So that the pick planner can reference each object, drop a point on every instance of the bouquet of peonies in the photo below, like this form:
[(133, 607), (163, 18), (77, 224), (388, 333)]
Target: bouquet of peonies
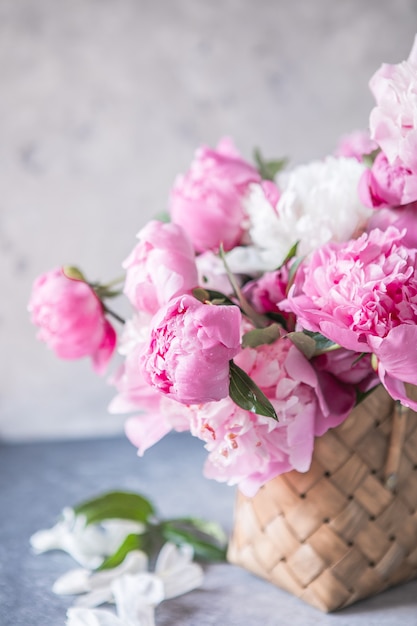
[(269, 304)]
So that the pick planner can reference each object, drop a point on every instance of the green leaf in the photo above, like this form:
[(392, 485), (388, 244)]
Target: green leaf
[(268, 169), (311, 343), (116, 505), (210, 295), (163, 217), (292, 272), (322, 343), (132, 542), (368, 159), (361, 356), (246, 394), (303, 342), (292, 252), (104, 292), (74, 273), (362, 395), (260, 336), (206, 538)]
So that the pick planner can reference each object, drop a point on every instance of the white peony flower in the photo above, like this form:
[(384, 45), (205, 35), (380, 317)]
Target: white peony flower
[(318, 203)]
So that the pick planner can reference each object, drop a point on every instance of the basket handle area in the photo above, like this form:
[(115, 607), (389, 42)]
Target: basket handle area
[(399, 428)]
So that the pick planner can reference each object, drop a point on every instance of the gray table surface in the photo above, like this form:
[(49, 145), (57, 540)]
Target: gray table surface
[(37, 480)]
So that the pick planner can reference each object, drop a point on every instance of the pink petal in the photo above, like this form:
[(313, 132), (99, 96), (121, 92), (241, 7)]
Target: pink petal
[(105, 350), (392, 353)]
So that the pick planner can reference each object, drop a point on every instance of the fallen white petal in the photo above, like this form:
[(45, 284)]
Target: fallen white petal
[(133, 563), (170, 556), (88, 544), (177, 571), (94, 598), (95, 617), (189, 578), (136, 596), (73, 582)]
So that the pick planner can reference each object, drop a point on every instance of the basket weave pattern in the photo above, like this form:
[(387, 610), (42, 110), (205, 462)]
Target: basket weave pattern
[(347, 528)]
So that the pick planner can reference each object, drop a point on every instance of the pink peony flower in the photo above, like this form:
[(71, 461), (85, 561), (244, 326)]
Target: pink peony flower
[(393, 122), (187, 355), (363, 295), (355, 145), (266, 292), (71, 319), (348, 368), (249, 449), (160, 267), (404, 218), (387, 185), (208, 200)]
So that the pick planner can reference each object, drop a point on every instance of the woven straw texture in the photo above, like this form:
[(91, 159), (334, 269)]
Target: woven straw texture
[(347, 528)]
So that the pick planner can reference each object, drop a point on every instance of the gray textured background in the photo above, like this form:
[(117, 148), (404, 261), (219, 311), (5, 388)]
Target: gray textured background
[(104, 101)]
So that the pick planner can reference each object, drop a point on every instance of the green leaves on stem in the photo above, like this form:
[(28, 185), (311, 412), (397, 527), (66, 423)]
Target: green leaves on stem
[(207, 538)]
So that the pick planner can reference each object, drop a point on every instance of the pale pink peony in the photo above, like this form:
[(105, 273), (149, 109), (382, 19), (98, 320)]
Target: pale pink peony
[(71, 319), (249, 449), (160, 267), (188, 352), (355, 145), (404, 218), (393, 122), (386, 185), (363, 295), (208, 200)]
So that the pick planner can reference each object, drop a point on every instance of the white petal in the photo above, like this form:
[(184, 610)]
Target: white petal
[(87, 617), (73, 582), (88, 544), (170, 557), (136, 596), (177, 571), (134, 562), (177, 583), (45, 540), (103, 595)]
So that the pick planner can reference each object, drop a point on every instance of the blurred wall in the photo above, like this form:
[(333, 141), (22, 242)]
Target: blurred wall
[(103, 102)]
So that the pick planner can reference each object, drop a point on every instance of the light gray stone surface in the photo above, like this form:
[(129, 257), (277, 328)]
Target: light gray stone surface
[(38, 480), (104, 101)]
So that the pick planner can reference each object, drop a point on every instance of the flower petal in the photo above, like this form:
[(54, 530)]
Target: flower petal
[(177, 571), (88, 617), (73, 582), (398, 361)]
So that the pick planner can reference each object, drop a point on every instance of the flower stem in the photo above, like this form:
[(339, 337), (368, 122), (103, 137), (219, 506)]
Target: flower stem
[(113, 314)]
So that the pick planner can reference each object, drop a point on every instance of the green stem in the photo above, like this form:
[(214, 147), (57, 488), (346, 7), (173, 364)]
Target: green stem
[(260, 321), (113, 314), (115, 281)]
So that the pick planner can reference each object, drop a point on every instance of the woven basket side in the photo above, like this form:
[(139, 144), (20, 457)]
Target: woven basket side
[(347, 528)]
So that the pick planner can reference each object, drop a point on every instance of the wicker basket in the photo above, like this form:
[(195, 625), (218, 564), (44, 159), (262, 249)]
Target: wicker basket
[(347, 528)]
